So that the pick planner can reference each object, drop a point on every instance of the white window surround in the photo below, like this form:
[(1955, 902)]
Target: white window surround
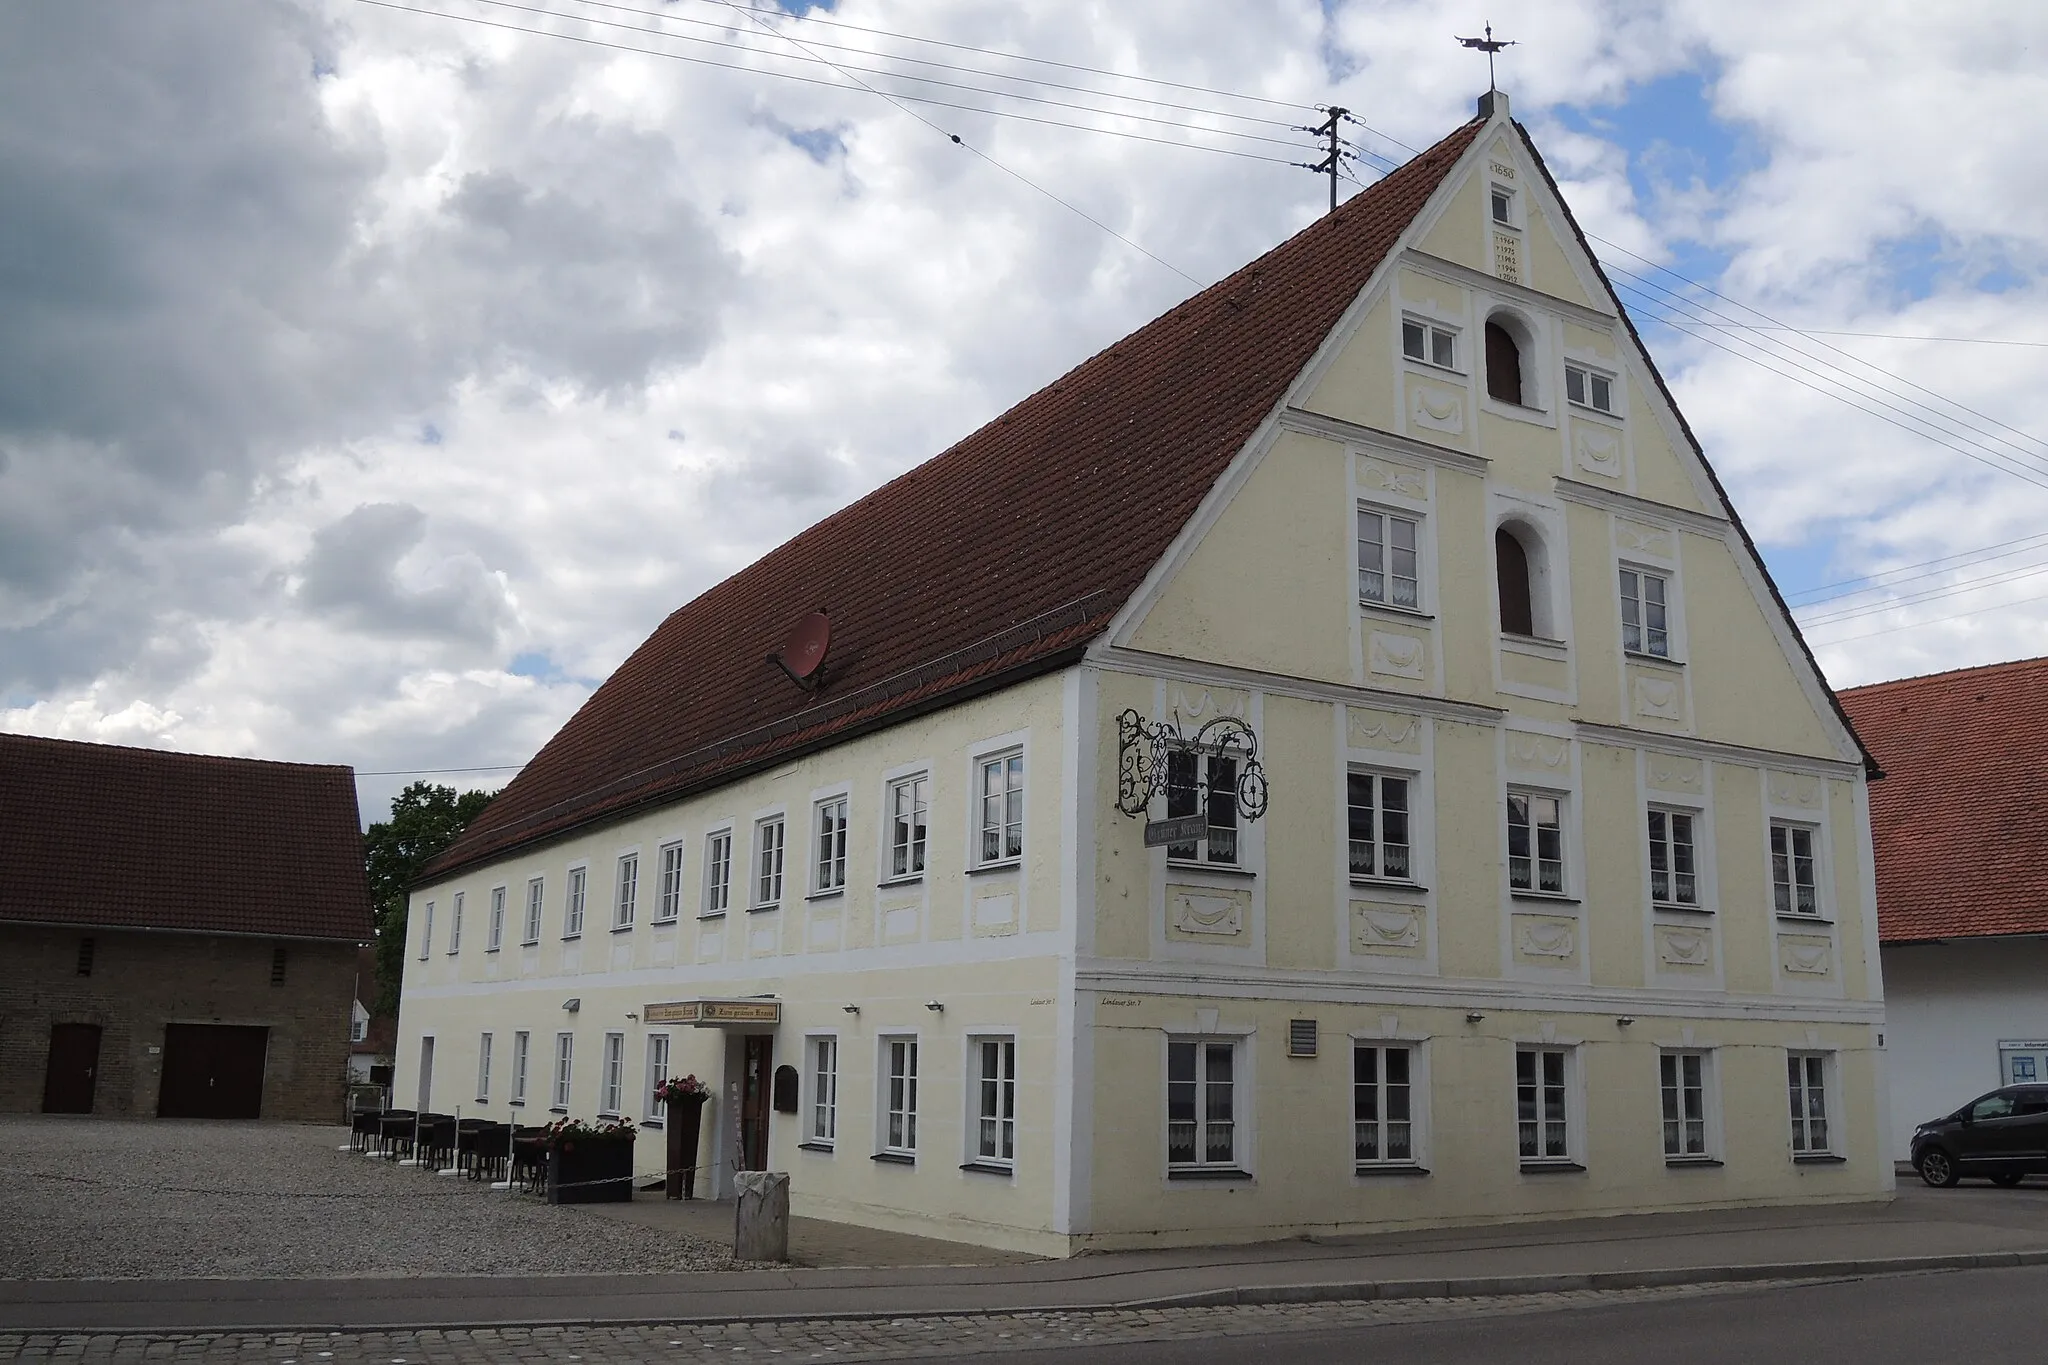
[(906, 825), (1503, 206), (536, 904), (998, 822), (1206, 1133), (770, 858), (1541, 541), (1391, 553), (1543, 838), (522, 1054), (1427, 341), (990, 1129), (1382, 835), (896, 1096), (611, 1094), (1676, 837), (1590, 388), (668, 905), (1648, 595), (718, 844), (1688, 1105), (1549, 1106), (625, 889), (427, 932), (1811, 1089), (820, 1092), (656, 1073), (830, 819), (1389, 1105), (573, 899), (565, 1063), (1795, 858), (483, 1069), (455, 925), (1530, 336), (1191, 776)]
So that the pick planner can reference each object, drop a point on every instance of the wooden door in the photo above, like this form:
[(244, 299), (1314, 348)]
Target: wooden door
[(73, 1068), (754, 1102), (212, 1071)]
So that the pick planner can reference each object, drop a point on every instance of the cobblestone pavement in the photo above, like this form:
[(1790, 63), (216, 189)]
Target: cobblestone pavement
[(162, 1199), (879, 1339)]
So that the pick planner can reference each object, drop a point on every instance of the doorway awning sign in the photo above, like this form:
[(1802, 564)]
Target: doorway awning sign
[(713, 1013)]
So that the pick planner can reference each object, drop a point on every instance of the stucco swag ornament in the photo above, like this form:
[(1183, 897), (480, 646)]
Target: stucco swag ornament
[(1142, 747)]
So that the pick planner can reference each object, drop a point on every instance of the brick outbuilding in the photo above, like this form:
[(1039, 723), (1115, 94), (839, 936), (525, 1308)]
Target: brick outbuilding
[(178, 932)]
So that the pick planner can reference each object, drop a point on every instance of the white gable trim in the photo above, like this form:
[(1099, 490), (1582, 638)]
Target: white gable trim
[(1310, 423)]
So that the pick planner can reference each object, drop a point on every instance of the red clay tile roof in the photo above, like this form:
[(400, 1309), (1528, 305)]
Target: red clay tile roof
[(119, 838), (1000, 559), (1961, 819)]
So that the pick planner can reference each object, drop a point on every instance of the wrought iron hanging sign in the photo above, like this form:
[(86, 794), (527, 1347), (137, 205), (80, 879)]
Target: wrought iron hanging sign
[(1141, 760)]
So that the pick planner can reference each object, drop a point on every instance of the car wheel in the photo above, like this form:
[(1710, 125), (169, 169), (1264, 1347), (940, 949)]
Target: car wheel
[(2008, 1179), (1938, 1168)]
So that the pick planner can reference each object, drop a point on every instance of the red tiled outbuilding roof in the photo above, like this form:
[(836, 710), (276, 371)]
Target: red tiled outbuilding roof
[(995, 561), (1960, 821), (111, 837)]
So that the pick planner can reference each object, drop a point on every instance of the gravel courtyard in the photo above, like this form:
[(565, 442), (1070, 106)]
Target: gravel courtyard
[(163, 1199)]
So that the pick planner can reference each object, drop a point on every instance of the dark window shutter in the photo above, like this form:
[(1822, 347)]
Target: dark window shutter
[(1503, 366), (1511, 563)]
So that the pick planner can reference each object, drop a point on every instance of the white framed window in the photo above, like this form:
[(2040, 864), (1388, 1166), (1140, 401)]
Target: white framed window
[(1000, 817), (1682, 1080), (1377, 826), (657, 1072), (995, 1100), (821, 1123), (494, 934), (455, 926), (612, 1086), (1806, 1078), (1589, 388), (770, 838), (629, 891), (1201, 1105), (1383, 1109), (536, 896), (1389, 560), (717, 873), (828, 861), (483, 1069), (1645, 612), (1429, 343), (358, 1027), (909, 809), (671, 903), (1674, 858), (1501, 206), (899, 1096), (572, 910), (565, 1059), (427, 932), (522, 1045), (1536, 843), (1795, 877), (1202, 782), (1543, 1103)]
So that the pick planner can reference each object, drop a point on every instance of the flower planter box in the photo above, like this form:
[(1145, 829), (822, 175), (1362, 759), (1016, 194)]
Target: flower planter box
[(587, 1170)]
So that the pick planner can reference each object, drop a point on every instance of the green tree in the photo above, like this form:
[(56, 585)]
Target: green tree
[(424, 820)]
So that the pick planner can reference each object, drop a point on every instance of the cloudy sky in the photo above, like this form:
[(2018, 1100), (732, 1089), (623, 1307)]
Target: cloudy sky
[(371, 381)]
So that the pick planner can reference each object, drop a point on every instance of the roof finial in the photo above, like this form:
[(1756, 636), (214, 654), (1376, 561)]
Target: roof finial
[(1489, 45)]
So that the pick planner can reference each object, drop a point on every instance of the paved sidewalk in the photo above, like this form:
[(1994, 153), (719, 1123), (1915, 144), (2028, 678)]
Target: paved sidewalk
[(1971, 1225), (813, 1242)]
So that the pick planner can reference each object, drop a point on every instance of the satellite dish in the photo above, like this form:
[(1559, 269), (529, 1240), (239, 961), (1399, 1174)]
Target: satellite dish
[(803, 653)]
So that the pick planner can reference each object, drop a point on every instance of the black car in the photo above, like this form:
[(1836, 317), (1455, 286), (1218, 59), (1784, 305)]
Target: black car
[(2003, 1135)]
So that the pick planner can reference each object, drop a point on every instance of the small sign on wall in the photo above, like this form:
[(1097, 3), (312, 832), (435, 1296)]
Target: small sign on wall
[(1180, 829)]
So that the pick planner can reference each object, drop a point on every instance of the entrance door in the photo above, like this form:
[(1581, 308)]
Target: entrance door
[(754, 1102), (212, 1071), (426, 1076), (74, 1063)]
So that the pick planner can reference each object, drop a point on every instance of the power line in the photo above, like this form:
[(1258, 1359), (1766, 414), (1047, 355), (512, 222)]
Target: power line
[(1980, 555), (1880, 336), (1930, 595), (830, 85), (845, 67), (1931, 621)]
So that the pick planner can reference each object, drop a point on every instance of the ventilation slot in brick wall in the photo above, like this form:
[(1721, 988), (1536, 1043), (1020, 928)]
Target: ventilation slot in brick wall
[(85, 957), (277, 959)]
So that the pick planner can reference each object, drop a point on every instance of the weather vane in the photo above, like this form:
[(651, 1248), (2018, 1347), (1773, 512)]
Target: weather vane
[(1489, 45)]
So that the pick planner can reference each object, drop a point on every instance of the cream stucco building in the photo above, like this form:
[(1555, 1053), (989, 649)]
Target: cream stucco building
[(1524, 867)]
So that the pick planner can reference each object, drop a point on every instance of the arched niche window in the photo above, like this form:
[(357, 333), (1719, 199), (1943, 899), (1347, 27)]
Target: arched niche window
[(1510, 347), (1511, 565)]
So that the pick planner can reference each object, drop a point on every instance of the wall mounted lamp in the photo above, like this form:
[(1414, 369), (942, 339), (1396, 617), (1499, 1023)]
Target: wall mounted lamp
[(573, 1003), (851, 1009), (935, 1007), (1625, 1019), (632, 1014), (1473, 1017)]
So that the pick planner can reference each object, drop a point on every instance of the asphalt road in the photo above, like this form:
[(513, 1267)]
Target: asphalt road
[(1984, 1317)]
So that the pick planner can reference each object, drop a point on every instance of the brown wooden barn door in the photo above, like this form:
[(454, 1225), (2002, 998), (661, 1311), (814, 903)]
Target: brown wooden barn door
[(212, 1071), (73, 1068)]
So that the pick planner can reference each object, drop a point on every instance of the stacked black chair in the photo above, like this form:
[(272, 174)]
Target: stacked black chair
[(395, 1133), (437, 1141), (529, 1159), (469, 1151)]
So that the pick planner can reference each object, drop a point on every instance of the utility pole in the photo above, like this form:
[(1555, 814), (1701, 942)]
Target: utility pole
[(1332, 157)]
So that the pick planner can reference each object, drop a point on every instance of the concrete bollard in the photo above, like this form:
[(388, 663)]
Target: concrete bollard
[(761, 1217)]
